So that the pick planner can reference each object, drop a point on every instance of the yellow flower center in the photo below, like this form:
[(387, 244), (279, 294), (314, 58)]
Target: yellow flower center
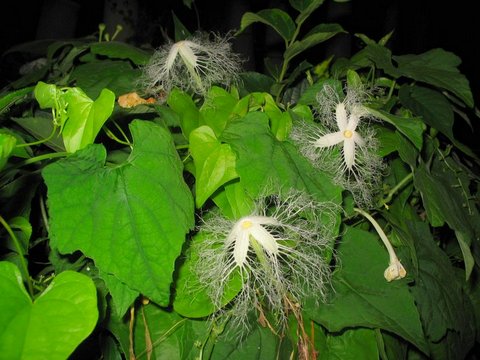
[(246, 224), (348, 134)]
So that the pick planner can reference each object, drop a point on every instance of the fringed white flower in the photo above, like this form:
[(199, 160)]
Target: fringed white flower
[(346, 134), (191, 65), (279, 252), (343, 143)]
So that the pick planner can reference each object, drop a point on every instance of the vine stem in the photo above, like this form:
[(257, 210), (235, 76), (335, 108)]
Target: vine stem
[(39, 141), (396, 188), (285, 64), (42, 157), (20, 253)]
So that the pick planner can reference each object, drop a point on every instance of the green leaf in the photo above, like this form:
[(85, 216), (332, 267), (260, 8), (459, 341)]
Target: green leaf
[(131, 219), (255, 82), (434, 108), (120, 50), (181, 32), (309, 96), (439, 68), (358, 343), (387, 139), (46, 95), (7, 144), (233, 201), (278, 19), (317, 35), (305, 7), (191, 298), (444, 197), (280, 122), (408, 153), (445, 191), (263, 161), (85, 117), (214, 163), (54, 324), (184, 106), (364, 298), (260, 343), (445, 309), (301, 112), (122, 295), (117, 76), (217, 109), (379, 55), (411, 127)]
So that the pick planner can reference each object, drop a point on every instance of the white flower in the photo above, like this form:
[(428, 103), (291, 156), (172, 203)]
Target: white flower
[(343, 144), (279, 257), (347, 124), (191, 65)]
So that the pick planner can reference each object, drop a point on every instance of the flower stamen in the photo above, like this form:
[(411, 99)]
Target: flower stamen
[(348, 134)]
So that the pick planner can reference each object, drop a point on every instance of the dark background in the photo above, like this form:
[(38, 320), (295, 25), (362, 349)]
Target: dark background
[(418, 26)]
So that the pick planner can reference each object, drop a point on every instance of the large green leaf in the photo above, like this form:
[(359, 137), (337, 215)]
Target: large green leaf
[(439, 68), (54, 324), (117, 76), (262, 160), (278, 19), (214, 163), (131, 219), (317, 35), (445, 310), (120, 50), (363, 297)]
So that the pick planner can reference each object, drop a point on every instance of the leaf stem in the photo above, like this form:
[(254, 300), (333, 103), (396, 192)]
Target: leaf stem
[(23, 262)]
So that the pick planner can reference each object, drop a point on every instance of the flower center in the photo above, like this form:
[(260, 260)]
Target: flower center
[(246, 224), (348, 134)]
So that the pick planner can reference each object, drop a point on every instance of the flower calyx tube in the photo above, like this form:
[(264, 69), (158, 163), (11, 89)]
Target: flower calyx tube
[(395, 269)]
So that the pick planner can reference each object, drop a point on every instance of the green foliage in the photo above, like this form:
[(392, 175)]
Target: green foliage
[(104, 205)]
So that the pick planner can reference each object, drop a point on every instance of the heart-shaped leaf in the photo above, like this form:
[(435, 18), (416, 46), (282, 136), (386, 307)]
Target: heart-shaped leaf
[(131, 219), (54, 324)]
